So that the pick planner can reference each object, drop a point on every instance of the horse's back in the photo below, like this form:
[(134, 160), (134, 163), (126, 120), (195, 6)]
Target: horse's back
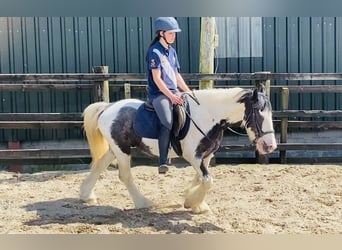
[(120, 112), (116, 107)]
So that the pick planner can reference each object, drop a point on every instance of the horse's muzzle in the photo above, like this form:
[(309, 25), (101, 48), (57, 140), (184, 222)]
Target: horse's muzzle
[(266, 144)]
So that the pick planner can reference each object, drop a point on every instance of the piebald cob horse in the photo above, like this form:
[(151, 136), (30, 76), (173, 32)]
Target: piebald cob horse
[(109, 128)]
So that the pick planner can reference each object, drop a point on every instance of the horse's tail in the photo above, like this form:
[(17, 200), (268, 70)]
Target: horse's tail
[(97, 143)]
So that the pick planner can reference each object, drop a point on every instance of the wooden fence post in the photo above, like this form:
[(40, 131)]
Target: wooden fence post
[(127, 89), (284, 122), (263, 159), (266, 83), (17, 168), (101, 88), (207, 46)]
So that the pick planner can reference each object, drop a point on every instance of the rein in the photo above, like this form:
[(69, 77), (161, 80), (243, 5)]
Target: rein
[(194, 98)]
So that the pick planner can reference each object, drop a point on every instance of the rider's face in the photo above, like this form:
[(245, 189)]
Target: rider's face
[(170, 36)]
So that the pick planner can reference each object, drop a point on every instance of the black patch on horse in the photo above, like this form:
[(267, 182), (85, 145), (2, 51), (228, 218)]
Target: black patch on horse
[(123, 134)]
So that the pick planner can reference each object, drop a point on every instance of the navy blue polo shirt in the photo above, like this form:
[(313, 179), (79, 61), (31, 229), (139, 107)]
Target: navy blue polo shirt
[(167, 61)]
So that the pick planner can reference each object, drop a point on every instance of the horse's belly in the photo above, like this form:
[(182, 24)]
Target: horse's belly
[(153, 147)]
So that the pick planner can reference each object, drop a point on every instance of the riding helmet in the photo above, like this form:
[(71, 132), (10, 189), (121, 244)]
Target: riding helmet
[(166, 24)]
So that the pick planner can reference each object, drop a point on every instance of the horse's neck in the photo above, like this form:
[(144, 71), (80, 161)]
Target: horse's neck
[(221, 104)]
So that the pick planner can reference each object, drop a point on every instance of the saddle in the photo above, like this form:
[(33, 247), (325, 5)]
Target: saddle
[(147, 124), (179, 117)]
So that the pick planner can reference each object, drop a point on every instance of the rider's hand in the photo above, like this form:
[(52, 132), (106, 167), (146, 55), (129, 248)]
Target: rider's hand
[(175, 99)]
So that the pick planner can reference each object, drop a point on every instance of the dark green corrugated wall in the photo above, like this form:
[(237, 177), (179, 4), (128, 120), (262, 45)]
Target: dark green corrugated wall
[(296, 44), (76, 44)]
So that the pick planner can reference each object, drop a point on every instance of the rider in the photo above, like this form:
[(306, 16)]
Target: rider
[(164, 81)]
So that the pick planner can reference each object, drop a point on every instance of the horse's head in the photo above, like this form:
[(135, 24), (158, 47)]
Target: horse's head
[(258, 120)]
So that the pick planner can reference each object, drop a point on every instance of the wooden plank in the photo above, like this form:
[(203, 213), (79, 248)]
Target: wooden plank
[(311, 124), (311, 146), (187, 76), (54, 153), (43, 161), (271, 76), (31, 86), (63, 156), (67, 124), (290, 160), (309, 88), (41, 116), (72, 77), (79, 155), (313, 160), (42, 153), (39, 124), (285, 146), (116, 86), (307, 113)]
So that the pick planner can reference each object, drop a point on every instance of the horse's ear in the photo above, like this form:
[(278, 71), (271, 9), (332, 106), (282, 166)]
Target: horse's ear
[(261, 88), (255, 95)]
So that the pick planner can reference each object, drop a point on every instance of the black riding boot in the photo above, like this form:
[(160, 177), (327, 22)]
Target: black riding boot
[(164, 144)]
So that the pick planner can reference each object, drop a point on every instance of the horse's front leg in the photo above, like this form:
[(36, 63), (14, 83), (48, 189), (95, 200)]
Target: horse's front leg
[(195, 195)]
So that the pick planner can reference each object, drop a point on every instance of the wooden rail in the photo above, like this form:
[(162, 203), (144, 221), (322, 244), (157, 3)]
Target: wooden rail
[(284, 119)]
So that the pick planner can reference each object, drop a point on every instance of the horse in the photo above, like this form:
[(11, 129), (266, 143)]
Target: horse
[(109, 129)]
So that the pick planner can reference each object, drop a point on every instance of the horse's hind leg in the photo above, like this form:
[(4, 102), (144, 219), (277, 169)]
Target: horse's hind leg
[(125, 176), (87, 188)]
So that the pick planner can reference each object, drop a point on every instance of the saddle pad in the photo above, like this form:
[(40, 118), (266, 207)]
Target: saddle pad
[(146, 123)]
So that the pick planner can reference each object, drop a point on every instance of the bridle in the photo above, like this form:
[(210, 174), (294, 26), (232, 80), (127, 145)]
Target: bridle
[(259, 132)]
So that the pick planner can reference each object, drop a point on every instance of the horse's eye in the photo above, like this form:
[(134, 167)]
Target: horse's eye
[(257, 106)]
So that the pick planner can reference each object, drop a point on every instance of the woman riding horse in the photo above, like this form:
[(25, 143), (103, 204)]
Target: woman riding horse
[(164, 82)]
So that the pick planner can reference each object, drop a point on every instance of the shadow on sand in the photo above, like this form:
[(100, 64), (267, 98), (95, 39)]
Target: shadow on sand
[(67, 211)]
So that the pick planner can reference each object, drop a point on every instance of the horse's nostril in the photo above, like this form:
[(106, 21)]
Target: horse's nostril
[(271, 147), (268, 147)]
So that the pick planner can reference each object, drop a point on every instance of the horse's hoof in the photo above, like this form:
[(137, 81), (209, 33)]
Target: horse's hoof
[(201, 209), (187, 206), (145, 204), (91, 202)]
